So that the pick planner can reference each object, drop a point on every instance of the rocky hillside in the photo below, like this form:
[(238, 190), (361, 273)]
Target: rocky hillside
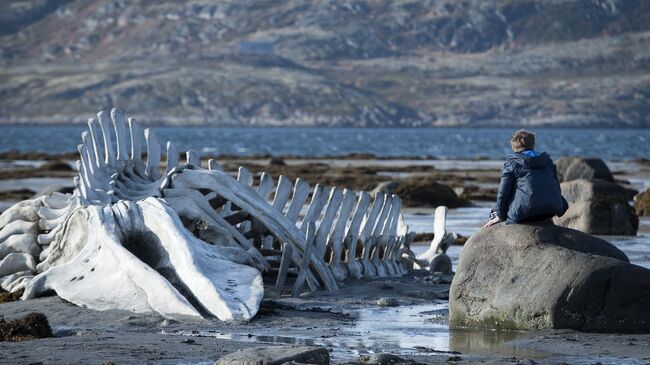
[(328, 63)]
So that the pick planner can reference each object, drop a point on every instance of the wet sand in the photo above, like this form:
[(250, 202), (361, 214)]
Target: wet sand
[(348, 322)]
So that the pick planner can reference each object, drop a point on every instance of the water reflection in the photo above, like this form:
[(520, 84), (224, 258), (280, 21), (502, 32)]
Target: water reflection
[(415, 329), (488, 342)]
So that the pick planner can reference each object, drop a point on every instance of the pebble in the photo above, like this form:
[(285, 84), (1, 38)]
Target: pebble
[(387, 302)]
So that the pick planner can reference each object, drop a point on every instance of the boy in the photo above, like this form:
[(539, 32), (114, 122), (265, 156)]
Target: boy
[(529, 189)]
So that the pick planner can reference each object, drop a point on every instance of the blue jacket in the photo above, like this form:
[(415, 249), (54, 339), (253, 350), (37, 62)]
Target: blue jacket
[(529, 188)]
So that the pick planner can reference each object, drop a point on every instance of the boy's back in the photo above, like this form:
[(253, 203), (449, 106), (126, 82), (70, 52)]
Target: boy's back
[(531, 189)]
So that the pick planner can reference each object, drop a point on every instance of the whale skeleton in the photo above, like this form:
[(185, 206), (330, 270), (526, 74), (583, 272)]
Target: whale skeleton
[(147, 234)]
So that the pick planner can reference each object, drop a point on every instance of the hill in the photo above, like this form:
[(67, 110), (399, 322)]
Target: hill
[(329, 63)]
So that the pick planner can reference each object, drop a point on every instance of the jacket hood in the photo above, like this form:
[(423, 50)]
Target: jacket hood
[(539, 161)]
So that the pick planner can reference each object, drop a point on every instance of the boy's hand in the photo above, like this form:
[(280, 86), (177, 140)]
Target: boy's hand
[(492, 222)]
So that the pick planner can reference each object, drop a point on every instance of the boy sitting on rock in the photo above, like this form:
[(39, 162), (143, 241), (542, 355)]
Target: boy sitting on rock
[(529, 189)]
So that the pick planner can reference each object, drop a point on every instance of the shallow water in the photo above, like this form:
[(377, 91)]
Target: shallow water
[(407, 330), (467, 221)]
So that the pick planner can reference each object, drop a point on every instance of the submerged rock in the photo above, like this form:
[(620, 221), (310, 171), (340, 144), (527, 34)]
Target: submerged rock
[(441, 263), (598, 207), (277, 355), (544, 276), (32, 326), (574, 168)]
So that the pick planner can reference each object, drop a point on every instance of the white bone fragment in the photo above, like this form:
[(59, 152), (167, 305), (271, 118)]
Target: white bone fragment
[(192, 158), (214, 165), (439, 234), (266, 185), (20, 243), (300, 193), (335, 240), (119, 124), (172, 157), (355, 269), (106, 133), (323, 231), (15, 262)]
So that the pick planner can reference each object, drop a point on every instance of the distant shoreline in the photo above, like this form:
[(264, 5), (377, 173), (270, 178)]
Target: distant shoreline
[(7, 123)]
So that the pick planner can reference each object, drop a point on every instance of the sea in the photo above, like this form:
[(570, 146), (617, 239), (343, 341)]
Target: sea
[(440, 143)]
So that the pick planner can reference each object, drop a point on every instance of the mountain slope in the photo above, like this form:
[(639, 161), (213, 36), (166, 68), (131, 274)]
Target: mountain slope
[(329, 63)]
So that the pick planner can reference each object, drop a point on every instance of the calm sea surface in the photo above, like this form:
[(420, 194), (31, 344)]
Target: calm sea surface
[(463, 143)]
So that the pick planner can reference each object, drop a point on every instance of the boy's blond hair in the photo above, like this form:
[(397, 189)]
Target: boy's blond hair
[(522, 140)]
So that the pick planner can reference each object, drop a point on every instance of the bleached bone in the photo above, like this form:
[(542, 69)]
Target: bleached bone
[(353, 265), (337, 236), (366, 237), (441, 239), (7, 282), (189, 241)]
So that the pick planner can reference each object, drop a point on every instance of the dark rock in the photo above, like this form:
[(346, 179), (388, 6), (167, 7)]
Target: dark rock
[(573, 168), (440, 263), (423, 237), (459, 239), (32, 326), (598, 207), (422, 193), (277, 355), (544, 276), (642, 203), (56, 166), (18, 194), (277, 161)]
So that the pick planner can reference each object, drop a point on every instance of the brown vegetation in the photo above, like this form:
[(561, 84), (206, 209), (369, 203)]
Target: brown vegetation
[(642, 203), (32, 326), (6, 297)]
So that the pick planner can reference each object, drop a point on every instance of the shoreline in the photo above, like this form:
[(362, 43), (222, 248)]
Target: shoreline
[(349, 322)]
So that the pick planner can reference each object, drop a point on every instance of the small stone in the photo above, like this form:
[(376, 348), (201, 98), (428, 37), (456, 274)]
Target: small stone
[(277, 355), (188, 341), (387, 302)]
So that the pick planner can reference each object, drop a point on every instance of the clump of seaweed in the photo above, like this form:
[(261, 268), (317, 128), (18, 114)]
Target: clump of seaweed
[(6, 297), (34, 325)]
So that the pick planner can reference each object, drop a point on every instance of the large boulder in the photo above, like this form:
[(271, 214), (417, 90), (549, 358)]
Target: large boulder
[(544, 276), (422, 192), (598, 207), (573, 168)]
